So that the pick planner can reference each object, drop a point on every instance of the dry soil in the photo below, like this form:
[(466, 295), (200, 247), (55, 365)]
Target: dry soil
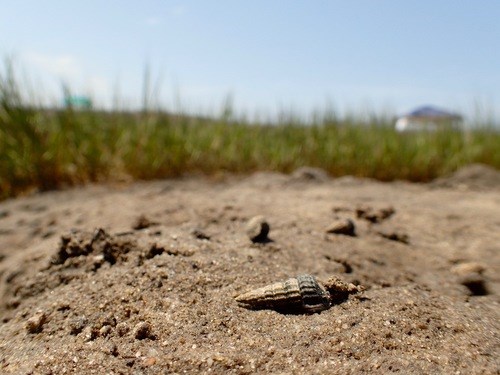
[(141, 278)]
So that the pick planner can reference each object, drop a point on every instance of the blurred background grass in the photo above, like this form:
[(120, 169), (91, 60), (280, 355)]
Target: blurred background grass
[(47, 149)]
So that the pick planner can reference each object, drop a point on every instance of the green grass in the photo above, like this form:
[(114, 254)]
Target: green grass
[(48, 149)]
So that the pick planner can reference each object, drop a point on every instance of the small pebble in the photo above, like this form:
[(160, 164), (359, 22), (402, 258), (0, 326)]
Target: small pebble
[(149, 361), (257, 229), (105, 330), (394, 236), (36, 322), (475, 283), (342, 226), (374, 215), (90, 333), (470, 275), (143, 222), (110, 348), (200, 234), (468, 268), (77, 325)]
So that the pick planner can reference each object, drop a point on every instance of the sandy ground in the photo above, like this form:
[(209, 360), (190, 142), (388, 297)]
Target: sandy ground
[(142, 278)]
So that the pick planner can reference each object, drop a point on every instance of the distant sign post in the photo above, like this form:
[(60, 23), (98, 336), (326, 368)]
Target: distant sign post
[(78, 102)]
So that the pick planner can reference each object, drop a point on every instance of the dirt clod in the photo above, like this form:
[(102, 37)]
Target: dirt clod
[(143, 222), (373, 214), (36, 322), (142, 331), (200, 234), (122, 329), (342, 226), (310, 174), (394, 236)]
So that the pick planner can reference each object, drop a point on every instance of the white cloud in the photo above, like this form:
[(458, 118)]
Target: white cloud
[(63, 67), (51, 71)]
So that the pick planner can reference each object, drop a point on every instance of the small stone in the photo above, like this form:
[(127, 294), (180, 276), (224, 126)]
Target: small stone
[(374, 215), (105, 330), (470, 275), (257, 229), (143, 222), (62, 306), (468, 268), (149, 361), (475, 283), (90, 333), (110, 348), (152, 352), (200, 234), (77, 325), (394, 236), (142, 331), (36, 322), (342, 226)]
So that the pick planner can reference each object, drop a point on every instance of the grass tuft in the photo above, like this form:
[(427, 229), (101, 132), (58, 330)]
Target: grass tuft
[(48, 149)]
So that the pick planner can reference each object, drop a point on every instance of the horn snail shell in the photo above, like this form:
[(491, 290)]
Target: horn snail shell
[(301, 294)]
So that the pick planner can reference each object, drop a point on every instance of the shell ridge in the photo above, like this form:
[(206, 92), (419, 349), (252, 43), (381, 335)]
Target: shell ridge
[(314, 297)]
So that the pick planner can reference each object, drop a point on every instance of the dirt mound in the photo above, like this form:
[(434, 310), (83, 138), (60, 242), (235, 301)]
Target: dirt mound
[(143, 279), (474, 176), (309, 174)]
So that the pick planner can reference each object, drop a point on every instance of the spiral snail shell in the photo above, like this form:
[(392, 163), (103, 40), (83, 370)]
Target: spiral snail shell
[(301, 294)]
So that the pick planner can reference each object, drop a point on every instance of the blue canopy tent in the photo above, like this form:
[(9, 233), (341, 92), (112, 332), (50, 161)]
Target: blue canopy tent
[(428, 118)]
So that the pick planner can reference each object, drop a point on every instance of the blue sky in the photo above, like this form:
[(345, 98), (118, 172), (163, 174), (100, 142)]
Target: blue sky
[(380, 55)]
